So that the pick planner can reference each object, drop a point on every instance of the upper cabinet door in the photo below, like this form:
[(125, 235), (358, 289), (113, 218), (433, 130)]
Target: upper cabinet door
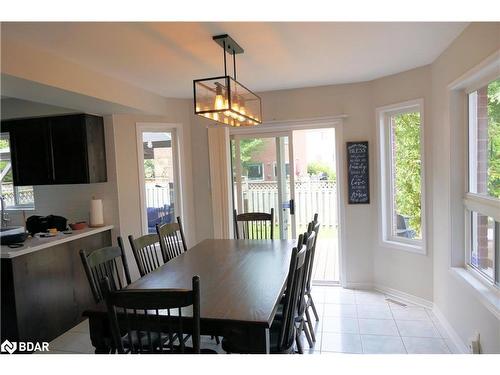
[(66, 149), (30, 148), (96, 149), (69, 151)]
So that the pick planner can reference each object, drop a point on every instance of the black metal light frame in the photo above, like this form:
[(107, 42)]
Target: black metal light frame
[(229, 46)]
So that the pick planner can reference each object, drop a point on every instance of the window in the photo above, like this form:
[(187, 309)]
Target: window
[(402, 203), (482, 203), (15, 197), (255, 171)]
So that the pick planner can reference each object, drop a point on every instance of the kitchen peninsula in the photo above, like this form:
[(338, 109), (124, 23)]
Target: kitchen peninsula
[(44, 287)]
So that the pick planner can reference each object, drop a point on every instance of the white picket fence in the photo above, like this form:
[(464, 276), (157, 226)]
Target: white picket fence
[(157, 196), (310, 197)]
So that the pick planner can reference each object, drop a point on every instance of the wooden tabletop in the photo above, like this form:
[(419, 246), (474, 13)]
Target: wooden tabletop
[(241, 280)]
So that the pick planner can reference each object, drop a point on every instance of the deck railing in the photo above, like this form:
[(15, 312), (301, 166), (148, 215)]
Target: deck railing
[(310, 197)]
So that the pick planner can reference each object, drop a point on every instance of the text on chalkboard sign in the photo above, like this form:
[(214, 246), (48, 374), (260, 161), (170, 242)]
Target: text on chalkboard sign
[(358, 173)]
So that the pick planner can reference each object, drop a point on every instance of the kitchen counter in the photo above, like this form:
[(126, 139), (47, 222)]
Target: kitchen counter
[(37, 243), (45, 289)]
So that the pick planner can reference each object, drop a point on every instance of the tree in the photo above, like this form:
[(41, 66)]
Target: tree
[(319, 168), (248, 147), (407, 165), (494, 138)]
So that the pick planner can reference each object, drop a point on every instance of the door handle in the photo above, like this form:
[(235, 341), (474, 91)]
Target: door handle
[(292, 207)]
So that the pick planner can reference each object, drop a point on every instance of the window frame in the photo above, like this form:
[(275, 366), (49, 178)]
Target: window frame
[(476, 202), (386, 206), (261, 164), (177, 143)]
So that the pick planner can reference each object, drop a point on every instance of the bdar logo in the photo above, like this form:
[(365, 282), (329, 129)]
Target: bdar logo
[(9, 347)]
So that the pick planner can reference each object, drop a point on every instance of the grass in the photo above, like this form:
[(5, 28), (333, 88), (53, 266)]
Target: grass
[(325, 232)]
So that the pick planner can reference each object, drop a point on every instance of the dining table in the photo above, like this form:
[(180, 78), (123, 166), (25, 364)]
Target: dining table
[(241, 284)]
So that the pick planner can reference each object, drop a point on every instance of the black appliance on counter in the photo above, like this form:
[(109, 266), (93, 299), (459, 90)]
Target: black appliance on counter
[(37, 224)]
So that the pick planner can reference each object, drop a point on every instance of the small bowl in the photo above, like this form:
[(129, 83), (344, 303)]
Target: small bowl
[(78, 226)]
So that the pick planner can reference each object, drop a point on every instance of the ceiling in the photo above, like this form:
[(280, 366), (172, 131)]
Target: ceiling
[(165, 57)]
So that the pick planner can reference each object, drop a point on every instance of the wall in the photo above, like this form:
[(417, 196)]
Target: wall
[(394, 268), (127, 173), (454, 297)]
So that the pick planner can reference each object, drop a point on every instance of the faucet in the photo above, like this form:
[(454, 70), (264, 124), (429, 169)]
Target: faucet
[(4, 216)]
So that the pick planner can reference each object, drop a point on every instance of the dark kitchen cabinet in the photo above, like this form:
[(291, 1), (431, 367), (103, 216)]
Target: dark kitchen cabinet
[(30, 139), (65, 149)]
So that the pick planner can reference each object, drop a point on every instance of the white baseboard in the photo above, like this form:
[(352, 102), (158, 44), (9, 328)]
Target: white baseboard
[(460, 346), (362, 286), (403, 296)]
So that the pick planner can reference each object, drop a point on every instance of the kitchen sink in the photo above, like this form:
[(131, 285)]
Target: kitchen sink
[(12, 235), (4, 231)]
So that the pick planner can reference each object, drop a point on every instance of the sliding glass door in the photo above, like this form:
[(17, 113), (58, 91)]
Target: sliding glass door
[(262, 178)]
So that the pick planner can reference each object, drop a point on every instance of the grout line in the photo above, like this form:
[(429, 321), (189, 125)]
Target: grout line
[(397, 327)]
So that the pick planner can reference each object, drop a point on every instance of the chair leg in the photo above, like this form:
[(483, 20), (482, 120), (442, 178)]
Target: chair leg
[(308, 335), (313, 307), (217, 341), (309, 323), (298, 342)]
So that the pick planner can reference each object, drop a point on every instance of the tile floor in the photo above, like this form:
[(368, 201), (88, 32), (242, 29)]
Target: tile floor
[(351, 321)]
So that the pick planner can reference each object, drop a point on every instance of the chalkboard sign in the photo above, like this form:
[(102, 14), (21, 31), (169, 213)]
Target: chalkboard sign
[(357, 173)]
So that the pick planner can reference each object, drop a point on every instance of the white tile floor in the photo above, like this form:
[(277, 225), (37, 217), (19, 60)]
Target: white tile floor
[(351, 321)]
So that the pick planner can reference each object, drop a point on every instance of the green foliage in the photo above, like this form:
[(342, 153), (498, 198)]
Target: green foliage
[(149, 168), (315, 168), (407, 165), (248, 147), (4, 143), (8, 176), (494, 138)]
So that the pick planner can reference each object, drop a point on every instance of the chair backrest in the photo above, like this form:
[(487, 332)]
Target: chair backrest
[(147, 252), (172, 241), (291, 298), (309, 239), (254, 225), (153, 318), (109, 262), (312, 228)]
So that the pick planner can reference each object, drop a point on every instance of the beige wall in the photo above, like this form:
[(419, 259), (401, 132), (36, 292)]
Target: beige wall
[(127, 173), (393, 268), (457, 300)]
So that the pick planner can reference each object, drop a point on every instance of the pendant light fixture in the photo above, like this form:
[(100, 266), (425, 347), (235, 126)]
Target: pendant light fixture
[(223, 99)]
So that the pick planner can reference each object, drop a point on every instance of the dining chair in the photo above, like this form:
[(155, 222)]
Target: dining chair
[(172, 241), (313, 226), (109, 262), (282, 333), (303, 320), (147, 253), (254, 225), (150, 320)]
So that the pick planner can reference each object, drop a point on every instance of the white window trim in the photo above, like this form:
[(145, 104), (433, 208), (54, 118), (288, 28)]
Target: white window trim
[(458, 91), (177, 143), (262, 167), (386, 238)]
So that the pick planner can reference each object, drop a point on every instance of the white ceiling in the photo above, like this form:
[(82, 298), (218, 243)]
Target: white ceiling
[(166, 57)]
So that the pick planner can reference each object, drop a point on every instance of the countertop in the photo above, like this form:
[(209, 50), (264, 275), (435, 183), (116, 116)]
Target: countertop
[(36, 243)]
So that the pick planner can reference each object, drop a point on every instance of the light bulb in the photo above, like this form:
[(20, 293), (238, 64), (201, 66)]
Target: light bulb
[(219, 98)]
